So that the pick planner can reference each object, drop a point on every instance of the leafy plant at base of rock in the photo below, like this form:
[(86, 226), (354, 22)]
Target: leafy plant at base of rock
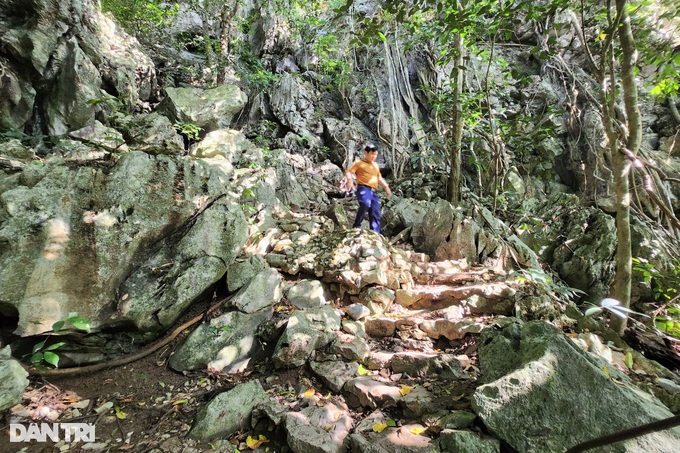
[(14, 134), (548, 283), (669, 323), (44, 354), (265, 134), (248, 210), (189, 130), (664, 284), (665, 287)]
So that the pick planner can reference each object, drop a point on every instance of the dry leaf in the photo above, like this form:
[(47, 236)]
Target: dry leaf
[(418, 430), (253, 443), (379, 427), (308, 393), (405, 390)]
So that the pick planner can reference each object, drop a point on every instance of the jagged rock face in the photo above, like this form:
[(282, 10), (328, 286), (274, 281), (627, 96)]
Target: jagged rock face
[(58, 55), (137, 242)]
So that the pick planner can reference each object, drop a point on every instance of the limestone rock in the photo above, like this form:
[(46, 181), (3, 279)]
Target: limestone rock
[(209, 109), (228, 412), (538, 378), (13, 380)]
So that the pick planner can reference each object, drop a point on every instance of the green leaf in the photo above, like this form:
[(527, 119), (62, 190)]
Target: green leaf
[(39, 346), (57, 326), (391, 423), (37, 358), (80, 323), (54, 346), (51, 358)]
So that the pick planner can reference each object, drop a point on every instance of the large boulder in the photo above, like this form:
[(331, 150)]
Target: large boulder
[(130, 244), (225, 343), (544, 393), (209, 109)]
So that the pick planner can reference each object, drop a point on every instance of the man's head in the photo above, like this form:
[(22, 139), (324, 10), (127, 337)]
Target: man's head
[(371, 152)]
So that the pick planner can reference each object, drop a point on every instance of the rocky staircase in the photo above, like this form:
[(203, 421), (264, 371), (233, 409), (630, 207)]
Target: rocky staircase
[(391, 342)]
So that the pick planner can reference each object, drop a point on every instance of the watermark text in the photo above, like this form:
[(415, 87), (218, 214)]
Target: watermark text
[(40, 432)]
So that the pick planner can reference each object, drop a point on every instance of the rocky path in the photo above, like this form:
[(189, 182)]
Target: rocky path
[(369, 347)]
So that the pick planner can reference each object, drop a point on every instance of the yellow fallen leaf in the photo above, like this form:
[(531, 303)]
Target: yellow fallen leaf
[(253, 443), (606, 371), (457, 398), (418, 430), (405, 390), (362, 371), (308, 393), (180, 402), (120, 414), (379, 427)]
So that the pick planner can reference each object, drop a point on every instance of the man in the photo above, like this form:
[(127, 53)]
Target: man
[(369, 178)]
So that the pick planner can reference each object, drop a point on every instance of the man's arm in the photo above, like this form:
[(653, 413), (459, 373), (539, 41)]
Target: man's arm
[(383, 183), (347, 181)]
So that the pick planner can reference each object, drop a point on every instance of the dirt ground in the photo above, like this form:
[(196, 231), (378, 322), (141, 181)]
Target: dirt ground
[(136, 407), (145, 406)]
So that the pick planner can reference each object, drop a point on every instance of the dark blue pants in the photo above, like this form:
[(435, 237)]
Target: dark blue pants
[(368, 203)]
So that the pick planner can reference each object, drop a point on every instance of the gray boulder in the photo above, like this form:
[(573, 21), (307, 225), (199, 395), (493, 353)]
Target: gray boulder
[(263, 291), (79, 238), (546, 394), (13, 380), (228, 412), (226, 342), (210, 109), (71, 62), (306, 331)]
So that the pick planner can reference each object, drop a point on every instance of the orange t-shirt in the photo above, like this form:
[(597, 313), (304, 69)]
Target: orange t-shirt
[(367, 173)]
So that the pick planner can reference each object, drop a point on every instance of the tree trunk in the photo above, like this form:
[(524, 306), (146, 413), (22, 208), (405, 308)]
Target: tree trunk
[(622, 281), (457, 120)]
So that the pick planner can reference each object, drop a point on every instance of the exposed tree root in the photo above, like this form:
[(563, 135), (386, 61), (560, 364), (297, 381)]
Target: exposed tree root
[(153, 347)]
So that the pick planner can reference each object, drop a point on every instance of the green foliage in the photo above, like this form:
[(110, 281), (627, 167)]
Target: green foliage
[(76, 321), (217, 330), (670, 322), (141, 17), (189, 130), (14, 134), (664, 284), (265, 134), (44, 354), (252, 71), (548, 283)]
